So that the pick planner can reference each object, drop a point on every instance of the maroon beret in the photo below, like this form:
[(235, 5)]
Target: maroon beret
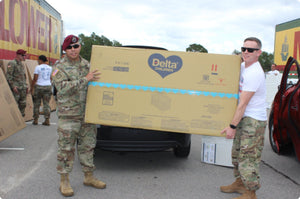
[(71, 39), (21, 52)]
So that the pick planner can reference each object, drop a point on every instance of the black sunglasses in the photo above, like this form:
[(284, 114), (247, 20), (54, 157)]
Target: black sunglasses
[(73, 46), (250, 50)]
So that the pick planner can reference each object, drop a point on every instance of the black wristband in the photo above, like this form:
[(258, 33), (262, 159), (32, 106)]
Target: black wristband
[(232, 126)]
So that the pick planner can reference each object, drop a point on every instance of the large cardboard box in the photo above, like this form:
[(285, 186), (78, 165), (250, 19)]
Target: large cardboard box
[(29, 108), (3, 64), (163, 90), (216, 150), (11, 120), (29, 101), (30, 66)]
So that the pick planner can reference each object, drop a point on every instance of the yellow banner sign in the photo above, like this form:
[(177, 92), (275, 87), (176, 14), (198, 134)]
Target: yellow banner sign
[(287, 43)]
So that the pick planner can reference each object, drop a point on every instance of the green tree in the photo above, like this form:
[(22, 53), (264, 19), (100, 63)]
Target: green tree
[(236, 52), (196, 48), (88, 41), (266, 60)]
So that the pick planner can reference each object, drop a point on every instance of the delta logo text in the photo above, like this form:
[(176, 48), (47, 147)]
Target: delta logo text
[(164, 66)]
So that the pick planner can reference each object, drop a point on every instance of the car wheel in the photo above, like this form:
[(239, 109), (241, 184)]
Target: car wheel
[(273, 143), (182, 152)]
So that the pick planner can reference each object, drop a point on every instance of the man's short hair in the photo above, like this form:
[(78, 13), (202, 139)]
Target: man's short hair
[(255, 40)]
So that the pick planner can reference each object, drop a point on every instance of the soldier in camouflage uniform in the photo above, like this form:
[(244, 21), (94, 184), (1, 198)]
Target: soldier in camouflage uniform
[(70, 77), (16, 79), (248, 124), (42, 90)]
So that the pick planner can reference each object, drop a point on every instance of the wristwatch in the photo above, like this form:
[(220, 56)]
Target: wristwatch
[(232, 126)]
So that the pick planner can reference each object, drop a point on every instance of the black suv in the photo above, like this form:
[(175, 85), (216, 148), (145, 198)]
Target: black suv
[(133, 139)]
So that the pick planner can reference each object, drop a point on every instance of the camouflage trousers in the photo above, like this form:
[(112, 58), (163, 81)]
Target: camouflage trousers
[(21, 100), (247, 147), (72, 132), (41, 93)]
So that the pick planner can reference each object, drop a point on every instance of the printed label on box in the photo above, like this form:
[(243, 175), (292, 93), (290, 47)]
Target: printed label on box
[(209, 153)]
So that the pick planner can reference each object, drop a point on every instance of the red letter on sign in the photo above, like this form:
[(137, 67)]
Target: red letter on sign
[(32, 36), (297, 45), (12, 21), (4, 34), (23, 21)]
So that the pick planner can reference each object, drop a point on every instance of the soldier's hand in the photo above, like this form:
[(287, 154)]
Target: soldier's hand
[(230, 133), (93, 76)]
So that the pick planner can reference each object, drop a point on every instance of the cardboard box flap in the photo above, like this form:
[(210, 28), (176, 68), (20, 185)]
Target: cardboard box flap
[(11, 120), (30, 66)]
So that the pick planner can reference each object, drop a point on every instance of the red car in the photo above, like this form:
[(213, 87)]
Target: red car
[(284, 119)]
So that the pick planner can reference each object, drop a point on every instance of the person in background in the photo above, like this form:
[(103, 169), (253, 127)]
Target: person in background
[(16, 78), (248, 124), (70, 77), (41, 90), (273, 70)]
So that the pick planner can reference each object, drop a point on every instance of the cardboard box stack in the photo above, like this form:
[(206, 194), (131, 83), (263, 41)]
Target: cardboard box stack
[(163, 90)]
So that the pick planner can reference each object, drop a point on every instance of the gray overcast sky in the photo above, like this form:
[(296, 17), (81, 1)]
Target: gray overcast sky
[(219, 26)]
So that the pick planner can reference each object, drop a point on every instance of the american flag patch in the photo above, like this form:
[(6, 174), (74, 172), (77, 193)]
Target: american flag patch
[(54, 72)]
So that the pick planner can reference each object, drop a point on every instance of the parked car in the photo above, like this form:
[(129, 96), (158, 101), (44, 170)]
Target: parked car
[(282, 144), (133, 139), (284, 120)]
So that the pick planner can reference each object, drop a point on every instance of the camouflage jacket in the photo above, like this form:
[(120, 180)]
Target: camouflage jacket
[(69, 79), (15, 75)]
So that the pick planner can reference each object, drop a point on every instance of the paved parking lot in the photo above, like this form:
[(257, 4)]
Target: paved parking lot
[(31, 173)]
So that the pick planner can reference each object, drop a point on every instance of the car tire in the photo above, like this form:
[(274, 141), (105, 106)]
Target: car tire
[(273, 144), (182, 152)]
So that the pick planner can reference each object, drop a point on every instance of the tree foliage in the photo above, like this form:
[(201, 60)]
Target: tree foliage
[(266, 60), (88, 41), (236, 52), (196, 48)]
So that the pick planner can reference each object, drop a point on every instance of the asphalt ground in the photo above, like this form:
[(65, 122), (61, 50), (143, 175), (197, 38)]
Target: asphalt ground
[(31, 173)]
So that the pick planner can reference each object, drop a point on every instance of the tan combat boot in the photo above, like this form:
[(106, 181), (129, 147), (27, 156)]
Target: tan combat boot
[(46, 122), (247, 195), (65, 187), (35, 121), (236, 187), (89, 180)]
